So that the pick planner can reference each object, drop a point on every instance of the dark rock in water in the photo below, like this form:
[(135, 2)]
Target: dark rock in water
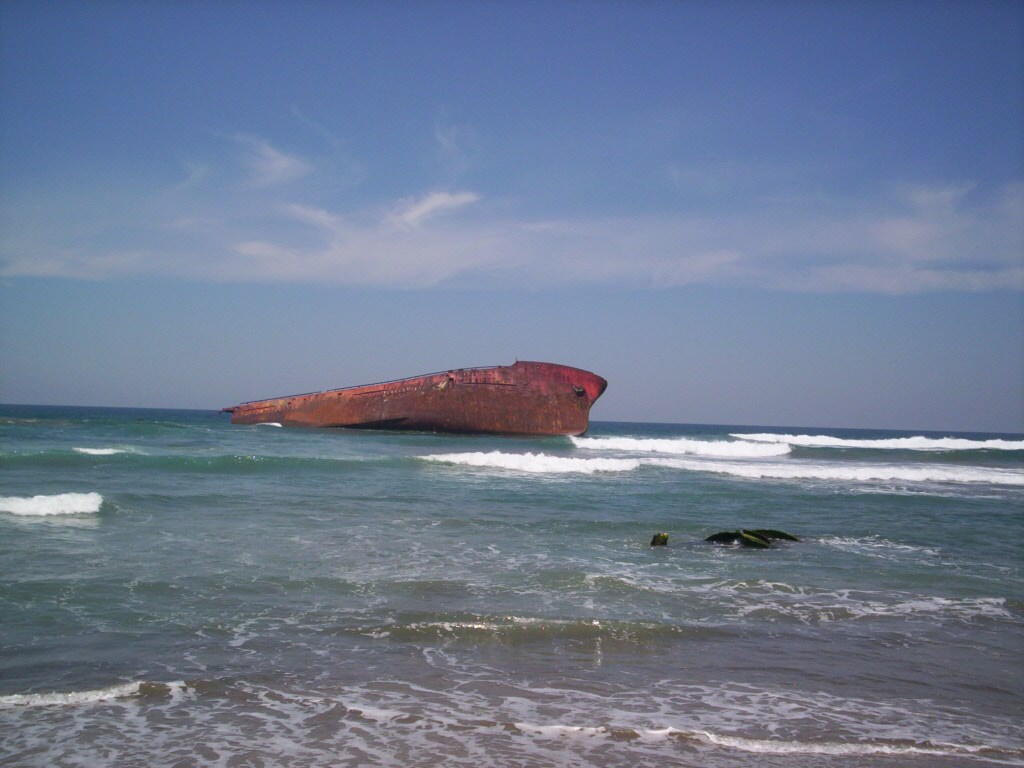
[(660, 540), (751, 539), (758, 537), (725, 537), (768, 533)]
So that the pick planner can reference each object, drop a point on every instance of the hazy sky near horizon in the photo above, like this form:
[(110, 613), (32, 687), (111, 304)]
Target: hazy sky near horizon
[(777, 213)]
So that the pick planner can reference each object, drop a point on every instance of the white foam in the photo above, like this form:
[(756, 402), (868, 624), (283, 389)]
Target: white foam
[(534, 462), (773, 599), (917, 443), (874, 546), (541, 463), (269, 424), (395, 722), (781, 747), (557, 730), (60, 504), (857, 473), (101, 451), (720, 448), (774, 746), (848, 605), (69, 697)]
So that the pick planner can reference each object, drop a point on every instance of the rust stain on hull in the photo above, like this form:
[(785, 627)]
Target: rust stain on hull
[(526, 398)]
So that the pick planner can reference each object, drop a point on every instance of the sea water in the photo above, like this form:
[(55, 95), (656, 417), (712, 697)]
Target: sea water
[(179, 591)]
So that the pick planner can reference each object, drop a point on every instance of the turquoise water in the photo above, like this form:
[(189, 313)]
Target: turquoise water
[(179, 591)]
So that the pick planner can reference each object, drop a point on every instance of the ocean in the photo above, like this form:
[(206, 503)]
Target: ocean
[(178, 591)]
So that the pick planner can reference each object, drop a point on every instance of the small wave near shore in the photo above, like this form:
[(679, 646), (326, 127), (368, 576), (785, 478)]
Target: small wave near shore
[(914, 443), (58, 504), (547, 464), (307, 727), (716, 448)]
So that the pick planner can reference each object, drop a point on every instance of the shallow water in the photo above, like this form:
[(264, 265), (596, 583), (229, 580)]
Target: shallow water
[(177, 590)]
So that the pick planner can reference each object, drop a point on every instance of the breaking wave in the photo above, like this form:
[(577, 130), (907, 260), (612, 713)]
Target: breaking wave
[(535, 462), (69, 697), (847, 605), (101, 451), (400, 725), (839, 748), (519, 630), (60, 504), (856, 473), (772, 746), (875, 546), (917, 443), (542, 463), (720, 448)]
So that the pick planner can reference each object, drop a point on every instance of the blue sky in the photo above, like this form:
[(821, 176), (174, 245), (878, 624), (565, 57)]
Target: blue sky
[(782, 213)]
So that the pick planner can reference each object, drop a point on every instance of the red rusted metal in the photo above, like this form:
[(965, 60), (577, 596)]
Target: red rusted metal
[(522, 399)]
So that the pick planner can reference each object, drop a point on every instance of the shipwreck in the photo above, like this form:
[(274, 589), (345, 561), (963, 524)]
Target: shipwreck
[(526, 398)]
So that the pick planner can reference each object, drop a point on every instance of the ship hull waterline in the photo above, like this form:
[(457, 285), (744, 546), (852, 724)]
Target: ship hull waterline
[(526, 398)]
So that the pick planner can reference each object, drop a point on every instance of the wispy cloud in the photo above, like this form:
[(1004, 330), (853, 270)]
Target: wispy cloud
[(268, 166), (906, 239), (414, 212), (387, 249), (458, 148)]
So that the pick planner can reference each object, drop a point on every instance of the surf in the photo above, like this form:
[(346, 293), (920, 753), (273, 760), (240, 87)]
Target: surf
[(913, 443), (543, 463), (58, 504), (720, 448), (854, 473), (534, 463), (66, 698)]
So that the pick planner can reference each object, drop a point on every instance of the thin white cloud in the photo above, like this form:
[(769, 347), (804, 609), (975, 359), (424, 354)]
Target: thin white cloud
[(907, 240), (311, 215), (458, 148), (412, 213), (268, 166)]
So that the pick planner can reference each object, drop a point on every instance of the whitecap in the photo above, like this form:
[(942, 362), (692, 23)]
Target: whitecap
[(534, 462), (541, 463), (874, 546), (847, 605), (557, 730), (100, 451), (59, 504), (269, 424), (916, 443), (69, 697), (857, 473), (839, 748), (772, 746), (720, 448)]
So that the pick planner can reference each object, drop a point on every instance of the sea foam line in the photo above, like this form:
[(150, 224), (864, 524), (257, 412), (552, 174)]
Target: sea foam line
[(69, 697), (534, 462), (759, 746), (858, 473), (719, 448), (59, 504), (542, 463), (779, 747), (100, 451), (917, 443), (876, 546)]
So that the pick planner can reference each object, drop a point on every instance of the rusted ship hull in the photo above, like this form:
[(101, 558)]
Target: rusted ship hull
[(526, 398)]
